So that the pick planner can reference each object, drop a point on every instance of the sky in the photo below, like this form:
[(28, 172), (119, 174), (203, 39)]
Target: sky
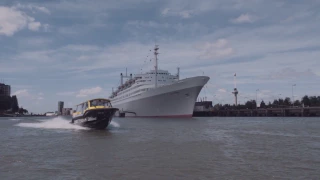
[(75, 50)]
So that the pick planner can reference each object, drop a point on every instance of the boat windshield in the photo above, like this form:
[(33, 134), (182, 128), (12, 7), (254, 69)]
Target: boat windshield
[(100, 102)]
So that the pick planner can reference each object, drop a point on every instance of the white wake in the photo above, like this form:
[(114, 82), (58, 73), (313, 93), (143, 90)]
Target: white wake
[(55, 123), (14, 119), (114, 124)]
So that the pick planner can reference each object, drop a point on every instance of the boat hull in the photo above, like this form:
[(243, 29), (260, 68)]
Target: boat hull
[(175, 100), (95, 119)]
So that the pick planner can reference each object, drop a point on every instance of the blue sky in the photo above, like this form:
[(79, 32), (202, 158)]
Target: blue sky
[(74, 50)]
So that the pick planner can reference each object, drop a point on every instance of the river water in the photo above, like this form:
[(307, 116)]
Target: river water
[(134, 148)]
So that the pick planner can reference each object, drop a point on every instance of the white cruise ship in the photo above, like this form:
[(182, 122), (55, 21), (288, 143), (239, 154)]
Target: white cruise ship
[(157, 93)]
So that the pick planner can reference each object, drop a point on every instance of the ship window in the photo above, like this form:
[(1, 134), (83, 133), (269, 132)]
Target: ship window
[(100, 102), (85, 106)]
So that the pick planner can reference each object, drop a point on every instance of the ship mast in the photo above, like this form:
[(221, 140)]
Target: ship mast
[(156, 48)]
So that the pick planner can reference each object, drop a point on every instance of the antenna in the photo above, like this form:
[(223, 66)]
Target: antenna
[(178, 72), (235, 80), (156, 48)]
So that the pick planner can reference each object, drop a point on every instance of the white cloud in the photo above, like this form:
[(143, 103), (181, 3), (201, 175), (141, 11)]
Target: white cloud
[(80, 47), (244, 18), (165, 11), (289, 73), (82, 92), (182, 13), (146, 24), (190, 8), (217, 49), (91, 91), (46, 27), (32, 7), (222, 90), (13, 20), (70, 93), (34, 26), (25, 94), (21, 93)]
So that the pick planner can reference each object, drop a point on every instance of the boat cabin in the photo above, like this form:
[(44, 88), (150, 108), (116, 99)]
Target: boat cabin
[(92, 104)]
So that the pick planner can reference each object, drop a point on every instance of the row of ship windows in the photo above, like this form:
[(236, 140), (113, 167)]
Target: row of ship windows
[(139, 86), (149, 80), (151, 77), (128, 95), (128, 90), (159, 73)]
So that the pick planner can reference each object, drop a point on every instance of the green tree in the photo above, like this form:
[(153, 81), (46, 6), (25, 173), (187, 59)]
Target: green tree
[(250, 104), (313, 101), (287, 101), (305, 100), (297, 103), (280, 102), (262, 104)]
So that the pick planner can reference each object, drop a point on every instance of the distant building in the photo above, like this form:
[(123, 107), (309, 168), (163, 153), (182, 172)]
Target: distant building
[(5, 98), (203, 106), (5, 90), (60, 107), (66, 111)]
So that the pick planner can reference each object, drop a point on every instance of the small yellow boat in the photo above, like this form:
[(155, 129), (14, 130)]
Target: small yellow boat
[(94, 113)]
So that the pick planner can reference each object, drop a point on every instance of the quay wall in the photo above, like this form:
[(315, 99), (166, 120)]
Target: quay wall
[(269, 112)]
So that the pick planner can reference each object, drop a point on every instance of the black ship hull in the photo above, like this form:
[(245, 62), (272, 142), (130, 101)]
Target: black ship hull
[(95, 118)]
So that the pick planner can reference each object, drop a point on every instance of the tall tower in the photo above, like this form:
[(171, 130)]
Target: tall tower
[(235, 91), (60, 107)]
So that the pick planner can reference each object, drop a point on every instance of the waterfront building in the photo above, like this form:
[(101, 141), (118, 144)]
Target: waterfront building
[(5, 90), (60, 107), (66, 111)]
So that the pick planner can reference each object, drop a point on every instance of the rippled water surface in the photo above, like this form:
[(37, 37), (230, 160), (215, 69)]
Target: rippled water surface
[(132, 148)]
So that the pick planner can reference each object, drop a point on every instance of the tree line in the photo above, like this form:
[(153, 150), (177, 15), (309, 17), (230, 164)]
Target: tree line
[(306, 101)]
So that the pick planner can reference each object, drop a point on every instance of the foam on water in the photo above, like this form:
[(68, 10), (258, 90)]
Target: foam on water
[(114, 124), (55, 123), (14, 119)]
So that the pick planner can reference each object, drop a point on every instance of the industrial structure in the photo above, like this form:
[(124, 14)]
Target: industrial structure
[(235, 91)]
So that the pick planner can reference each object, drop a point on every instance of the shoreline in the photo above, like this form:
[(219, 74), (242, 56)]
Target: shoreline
[(19, 115)]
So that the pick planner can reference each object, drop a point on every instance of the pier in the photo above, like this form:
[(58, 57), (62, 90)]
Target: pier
[(266, 112)]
